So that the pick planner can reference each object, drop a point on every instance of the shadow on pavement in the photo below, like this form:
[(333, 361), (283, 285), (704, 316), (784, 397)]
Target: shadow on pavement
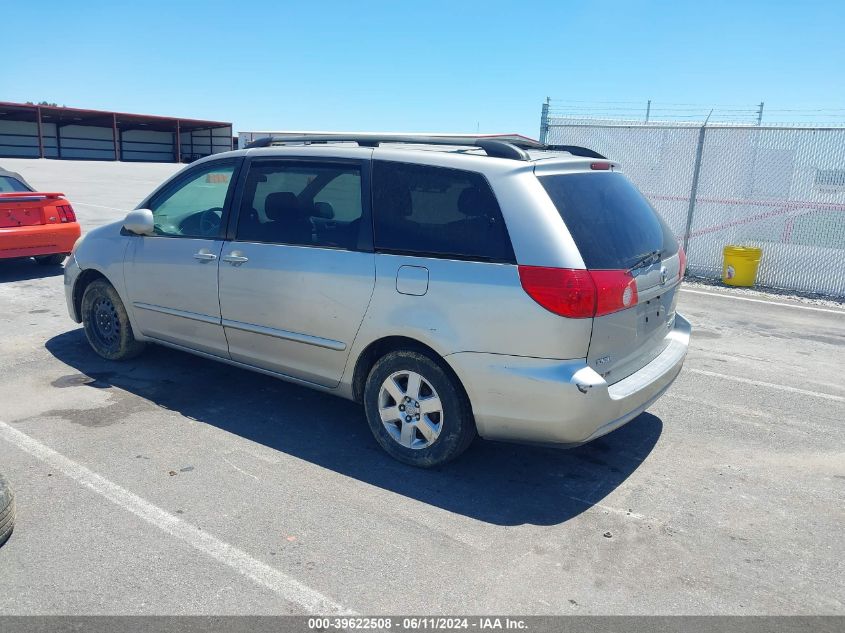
[(497, 483), (25, 270)]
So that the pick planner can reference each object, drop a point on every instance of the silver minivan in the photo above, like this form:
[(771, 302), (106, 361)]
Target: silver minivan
[(452, 285)]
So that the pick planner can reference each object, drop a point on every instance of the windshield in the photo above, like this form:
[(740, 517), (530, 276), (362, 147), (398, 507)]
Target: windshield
[(612, 224), (11, 185)]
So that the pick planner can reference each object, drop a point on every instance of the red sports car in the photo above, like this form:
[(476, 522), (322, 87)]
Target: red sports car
[(34, 224)]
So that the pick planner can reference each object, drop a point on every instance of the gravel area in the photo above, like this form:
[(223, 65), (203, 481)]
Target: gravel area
[(765, 293)]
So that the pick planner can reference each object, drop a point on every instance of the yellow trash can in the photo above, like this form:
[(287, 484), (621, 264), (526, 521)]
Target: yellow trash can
[(740, 265)]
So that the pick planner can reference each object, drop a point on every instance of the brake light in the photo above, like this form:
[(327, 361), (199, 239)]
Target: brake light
[(66, 213), (682, 267), (579, 294), (564, 291), (600, 166), (615, 290)]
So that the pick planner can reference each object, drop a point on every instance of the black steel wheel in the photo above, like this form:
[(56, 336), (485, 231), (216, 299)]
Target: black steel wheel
[(106, 323)]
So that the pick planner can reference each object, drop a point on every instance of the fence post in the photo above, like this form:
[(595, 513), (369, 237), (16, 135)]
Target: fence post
[(696, 171), (544, 121)]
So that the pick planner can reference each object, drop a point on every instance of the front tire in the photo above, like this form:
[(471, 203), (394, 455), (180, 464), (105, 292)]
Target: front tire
[(106, 323), (417, 411)]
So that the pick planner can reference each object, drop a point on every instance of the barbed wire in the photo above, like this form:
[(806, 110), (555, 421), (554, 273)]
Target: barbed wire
[(654, 111)]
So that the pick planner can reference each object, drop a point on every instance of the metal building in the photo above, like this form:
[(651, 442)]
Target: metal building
[(39, 131)]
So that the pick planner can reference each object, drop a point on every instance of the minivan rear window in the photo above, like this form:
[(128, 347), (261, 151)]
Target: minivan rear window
[(612, 223)]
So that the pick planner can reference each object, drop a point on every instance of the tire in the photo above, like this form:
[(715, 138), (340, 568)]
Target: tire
[(7, 510), (438, 424), (106, 323), (51, 260)]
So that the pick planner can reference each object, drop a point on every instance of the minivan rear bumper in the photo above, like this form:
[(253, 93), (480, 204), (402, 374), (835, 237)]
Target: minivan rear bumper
[(548, 401)]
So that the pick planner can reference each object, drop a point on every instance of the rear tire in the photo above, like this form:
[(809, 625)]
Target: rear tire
[(7, 510), (417, 410), (106, 322), (52, 260)]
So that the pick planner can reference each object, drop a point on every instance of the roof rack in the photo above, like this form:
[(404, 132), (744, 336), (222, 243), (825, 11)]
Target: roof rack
[(498, 145)]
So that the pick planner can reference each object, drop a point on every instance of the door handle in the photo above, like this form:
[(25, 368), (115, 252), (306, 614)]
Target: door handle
[(205, 256), (235, 260)]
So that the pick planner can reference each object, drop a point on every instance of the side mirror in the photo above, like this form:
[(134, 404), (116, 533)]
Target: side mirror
[(139, 222)]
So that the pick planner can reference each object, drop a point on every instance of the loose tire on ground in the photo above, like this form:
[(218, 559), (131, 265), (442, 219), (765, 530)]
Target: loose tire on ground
[(51, 260), (453, 429), (7, 510), (106, 323)]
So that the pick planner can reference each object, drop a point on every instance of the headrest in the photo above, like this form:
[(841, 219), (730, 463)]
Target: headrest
[(323, 210), (281, 205), (473, 202)]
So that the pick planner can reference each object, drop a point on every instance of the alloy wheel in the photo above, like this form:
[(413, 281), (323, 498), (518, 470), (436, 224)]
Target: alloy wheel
[(410, 409)]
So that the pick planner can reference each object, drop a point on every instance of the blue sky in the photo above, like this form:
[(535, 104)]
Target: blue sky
[(417, 66)]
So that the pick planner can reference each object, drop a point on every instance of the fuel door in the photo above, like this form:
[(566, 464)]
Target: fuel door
[(412, 280)]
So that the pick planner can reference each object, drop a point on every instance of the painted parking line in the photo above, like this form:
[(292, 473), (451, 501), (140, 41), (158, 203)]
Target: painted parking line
[(771, 385), (280, 583), (771, 303)]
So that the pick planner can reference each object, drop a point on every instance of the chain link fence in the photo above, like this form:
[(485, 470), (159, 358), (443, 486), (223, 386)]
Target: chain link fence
[(779, 188)]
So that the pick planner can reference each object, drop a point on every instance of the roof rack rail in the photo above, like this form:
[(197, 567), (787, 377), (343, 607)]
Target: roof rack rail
[(500, 145), (511, 146), (575, 150)]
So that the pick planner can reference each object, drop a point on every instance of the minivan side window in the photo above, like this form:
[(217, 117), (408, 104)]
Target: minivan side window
[(437, 212), (301, 203), (195, 207)]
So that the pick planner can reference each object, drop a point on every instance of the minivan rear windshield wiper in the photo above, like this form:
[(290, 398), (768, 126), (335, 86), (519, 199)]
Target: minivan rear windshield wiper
[(646, 259)]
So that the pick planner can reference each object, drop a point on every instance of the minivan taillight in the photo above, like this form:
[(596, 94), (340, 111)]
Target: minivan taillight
[(615, 290), (682, 262), (579, 294), (564, 291)]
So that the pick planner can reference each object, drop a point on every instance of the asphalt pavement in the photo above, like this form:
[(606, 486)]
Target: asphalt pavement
[(170, 484)]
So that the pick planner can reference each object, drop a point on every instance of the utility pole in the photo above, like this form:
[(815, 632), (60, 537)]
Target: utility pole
[(647, 110), (760, 113)]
